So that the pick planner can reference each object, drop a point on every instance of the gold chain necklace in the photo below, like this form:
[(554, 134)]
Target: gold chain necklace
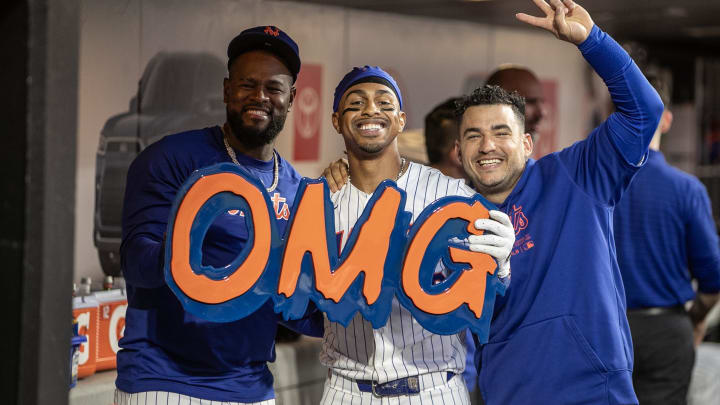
[(276, 169), (400, 173)]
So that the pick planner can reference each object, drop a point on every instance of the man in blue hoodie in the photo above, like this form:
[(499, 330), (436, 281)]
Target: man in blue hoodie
[(560, 335)]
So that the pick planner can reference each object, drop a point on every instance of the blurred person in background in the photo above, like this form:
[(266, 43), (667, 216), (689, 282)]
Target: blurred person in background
[(665, 237), (441, 132), (525, 83)]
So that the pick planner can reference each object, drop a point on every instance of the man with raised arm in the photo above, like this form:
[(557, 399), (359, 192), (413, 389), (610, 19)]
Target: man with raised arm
[(560, 335)]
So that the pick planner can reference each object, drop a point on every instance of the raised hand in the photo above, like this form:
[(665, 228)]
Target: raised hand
[(565, 19)]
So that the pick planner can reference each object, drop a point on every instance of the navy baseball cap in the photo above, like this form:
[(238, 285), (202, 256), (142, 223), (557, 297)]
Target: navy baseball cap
[(362, 75), (267, 38)]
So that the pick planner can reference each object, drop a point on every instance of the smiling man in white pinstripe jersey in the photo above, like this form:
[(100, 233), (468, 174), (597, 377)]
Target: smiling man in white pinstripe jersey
[(401, 362)]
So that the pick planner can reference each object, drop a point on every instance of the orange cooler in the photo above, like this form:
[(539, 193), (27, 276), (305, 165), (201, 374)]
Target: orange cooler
[(85, 311), (111, 326)]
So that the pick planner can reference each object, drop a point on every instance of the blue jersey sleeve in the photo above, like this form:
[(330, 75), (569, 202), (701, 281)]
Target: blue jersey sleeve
[(603, 164), (702, 244), (152, 183)]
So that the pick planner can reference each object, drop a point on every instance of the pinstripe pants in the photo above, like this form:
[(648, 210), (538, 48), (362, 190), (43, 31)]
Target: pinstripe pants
[(434, 390), (172, 398)]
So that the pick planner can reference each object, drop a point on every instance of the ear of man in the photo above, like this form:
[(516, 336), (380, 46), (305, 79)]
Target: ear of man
[(528, 144), (293, 90), (454, 154), (336, 122), (666, 121), (226, 90), (403, 120)]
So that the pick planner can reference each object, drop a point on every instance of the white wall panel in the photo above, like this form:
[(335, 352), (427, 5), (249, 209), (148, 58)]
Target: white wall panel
[(108, 72), (185, 25), (431, 58)]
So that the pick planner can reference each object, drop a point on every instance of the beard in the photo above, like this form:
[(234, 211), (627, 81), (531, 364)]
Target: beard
[(372, 148), (253, 137)]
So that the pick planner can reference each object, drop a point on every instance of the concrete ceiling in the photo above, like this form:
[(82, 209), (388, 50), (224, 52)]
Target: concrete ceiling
[(678, 24)]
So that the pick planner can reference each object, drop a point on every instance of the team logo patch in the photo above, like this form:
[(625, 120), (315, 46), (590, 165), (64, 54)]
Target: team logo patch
[(519, 219), (272, 31), (520, 223)]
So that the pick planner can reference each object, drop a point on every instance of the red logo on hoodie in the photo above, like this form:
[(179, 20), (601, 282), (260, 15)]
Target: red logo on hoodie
[(519, 219), (520, 223)]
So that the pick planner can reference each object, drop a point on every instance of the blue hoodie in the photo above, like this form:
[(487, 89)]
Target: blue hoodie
[(560, 335)]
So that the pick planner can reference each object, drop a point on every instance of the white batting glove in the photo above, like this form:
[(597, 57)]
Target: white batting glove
[(497, 240)]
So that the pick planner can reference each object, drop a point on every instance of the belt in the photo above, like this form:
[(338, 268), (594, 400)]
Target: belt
[(677, 309), (402, 386)]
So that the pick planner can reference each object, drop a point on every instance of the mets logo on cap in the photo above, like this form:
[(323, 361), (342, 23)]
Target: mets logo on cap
[(274, 31)]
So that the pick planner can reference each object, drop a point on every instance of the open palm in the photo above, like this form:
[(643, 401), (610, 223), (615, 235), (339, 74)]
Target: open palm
[(567, 20)]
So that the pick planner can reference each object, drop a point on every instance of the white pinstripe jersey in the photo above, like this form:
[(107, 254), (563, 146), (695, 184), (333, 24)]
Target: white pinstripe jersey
[(402, 347)]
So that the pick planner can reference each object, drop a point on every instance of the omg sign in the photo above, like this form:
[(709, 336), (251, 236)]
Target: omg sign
[(384, 257)]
